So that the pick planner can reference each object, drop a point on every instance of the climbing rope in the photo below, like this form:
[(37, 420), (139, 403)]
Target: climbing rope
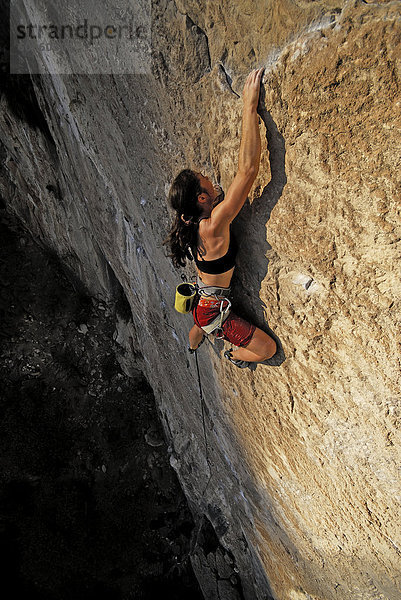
[(184, 279), (203, 422)]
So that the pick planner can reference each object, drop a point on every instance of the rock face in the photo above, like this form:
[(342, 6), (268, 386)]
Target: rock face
[(295, 464)]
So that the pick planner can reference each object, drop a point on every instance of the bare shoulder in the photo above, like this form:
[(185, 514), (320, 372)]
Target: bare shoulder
[(225, 212), (214, 228)]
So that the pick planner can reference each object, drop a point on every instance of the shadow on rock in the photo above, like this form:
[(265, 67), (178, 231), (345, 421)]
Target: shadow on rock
[(90, 507)]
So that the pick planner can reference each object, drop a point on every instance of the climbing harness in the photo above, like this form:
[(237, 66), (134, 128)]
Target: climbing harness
[(224, 305), (208, 295), (213, 296)]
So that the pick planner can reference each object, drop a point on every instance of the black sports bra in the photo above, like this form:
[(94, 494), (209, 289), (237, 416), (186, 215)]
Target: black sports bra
[(222, 264)]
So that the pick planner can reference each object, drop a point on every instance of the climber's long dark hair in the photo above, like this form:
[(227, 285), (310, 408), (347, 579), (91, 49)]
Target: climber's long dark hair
[(183, 237)]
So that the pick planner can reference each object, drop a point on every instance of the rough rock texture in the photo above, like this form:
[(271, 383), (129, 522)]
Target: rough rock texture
[(295, 464)]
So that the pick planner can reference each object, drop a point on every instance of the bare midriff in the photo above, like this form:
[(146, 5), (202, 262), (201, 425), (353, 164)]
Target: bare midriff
[(217, 280)]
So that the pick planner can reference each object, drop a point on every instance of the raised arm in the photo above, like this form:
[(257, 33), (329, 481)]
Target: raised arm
[(249, 156)]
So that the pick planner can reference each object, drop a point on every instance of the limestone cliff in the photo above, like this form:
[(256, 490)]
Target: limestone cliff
[(295, 464)]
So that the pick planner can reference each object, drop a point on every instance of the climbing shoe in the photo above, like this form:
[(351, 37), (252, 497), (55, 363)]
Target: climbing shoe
[(241, 364)]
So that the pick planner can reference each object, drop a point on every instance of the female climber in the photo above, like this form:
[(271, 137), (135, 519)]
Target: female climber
[(201, 232)]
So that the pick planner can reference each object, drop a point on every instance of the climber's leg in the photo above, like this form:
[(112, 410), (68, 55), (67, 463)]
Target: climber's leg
[(260, 348), (254, 345), (195, 336)]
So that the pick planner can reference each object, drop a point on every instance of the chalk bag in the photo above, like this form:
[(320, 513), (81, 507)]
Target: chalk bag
[(184, 297)]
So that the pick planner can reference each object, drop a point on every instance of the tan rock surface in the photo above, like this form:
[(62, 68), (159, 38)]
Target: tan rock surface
[(304, 455)]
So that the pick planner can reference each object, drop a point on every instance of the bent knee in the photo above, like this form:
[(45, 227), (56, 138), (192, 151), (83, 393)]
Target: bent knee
[(262, 345), (270, 348)]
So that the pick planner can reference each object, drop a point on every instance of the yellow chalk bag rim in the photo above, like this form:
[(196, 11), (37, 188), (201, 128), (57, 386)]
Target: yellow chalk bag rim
[(184, 297)]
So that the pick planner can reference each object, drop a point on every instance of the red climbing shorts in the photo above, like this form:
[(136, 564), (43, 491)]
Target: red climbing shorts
[(234, 329)]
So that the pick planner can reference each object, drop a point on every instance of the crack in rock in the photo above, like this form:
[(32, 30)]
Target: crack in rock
[(228, 80)]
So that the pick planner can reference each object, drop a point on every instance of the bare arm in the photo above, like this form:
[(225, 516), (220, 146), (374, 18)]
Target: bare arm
[(249, 152), (249, 156)]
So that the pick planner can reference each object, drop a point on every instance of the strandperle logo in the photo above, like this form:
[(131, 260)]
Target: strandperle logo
[(84, 31), (80, 36)]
